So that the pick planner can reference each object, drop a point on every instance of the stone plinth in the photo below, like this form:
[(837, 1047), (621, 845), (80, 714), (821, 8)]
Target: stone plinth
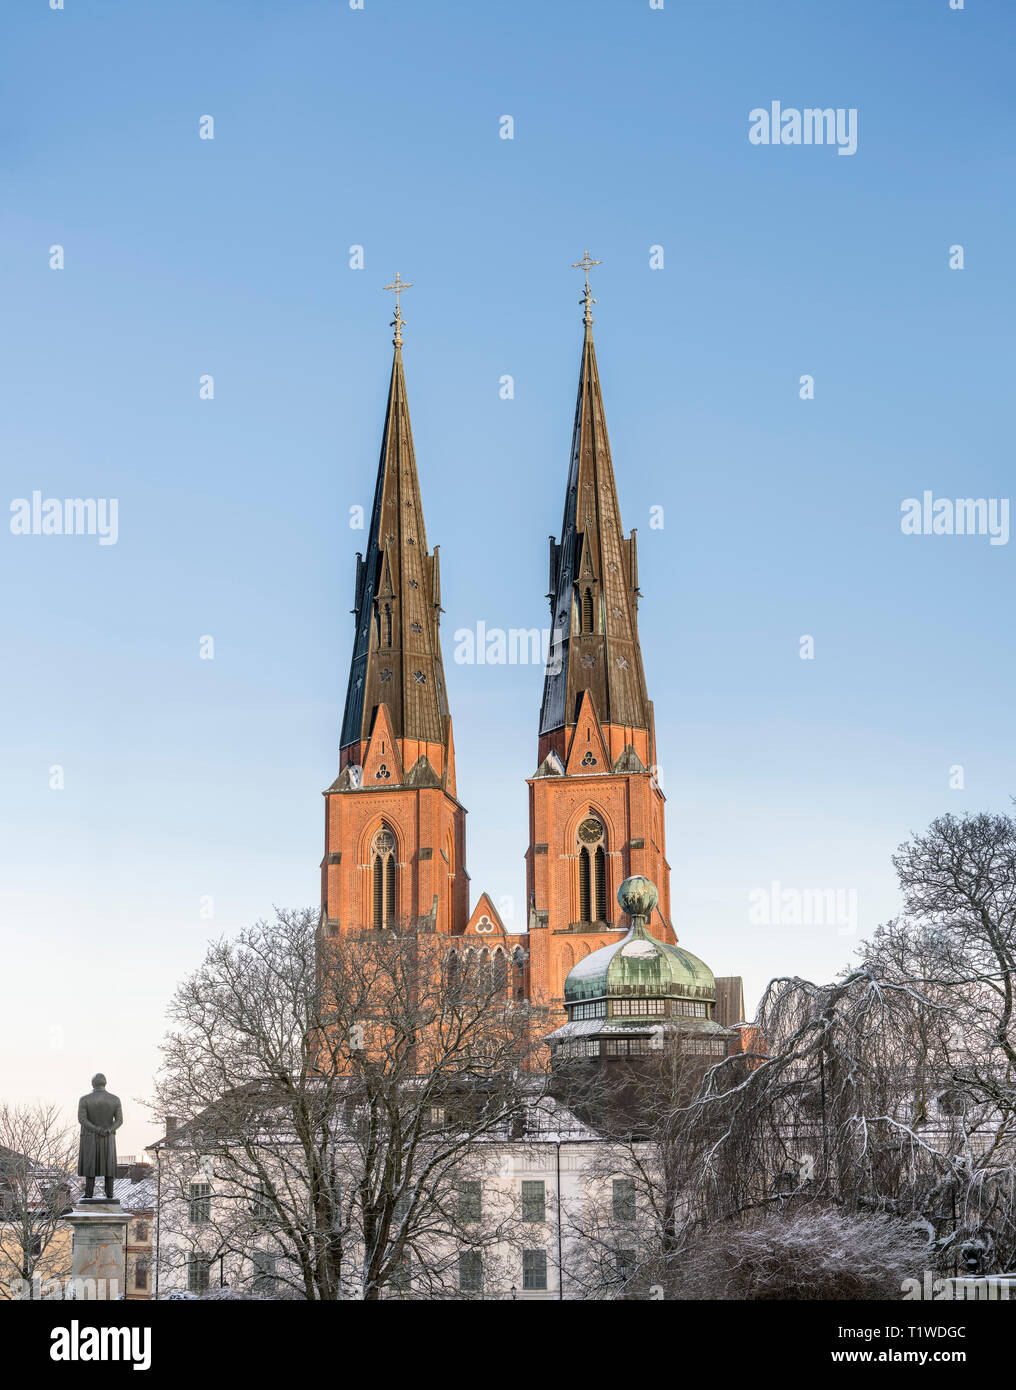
[(97, 1264)]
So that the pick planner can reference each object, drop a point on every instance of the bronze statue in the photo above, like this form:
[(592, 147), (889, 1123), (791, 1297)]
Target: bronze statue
[(99, 1116)]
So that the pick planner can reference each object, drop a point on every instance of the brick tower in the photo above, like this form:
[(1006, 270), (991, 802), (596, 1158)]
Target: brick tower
[(596, 812), (394, 829)]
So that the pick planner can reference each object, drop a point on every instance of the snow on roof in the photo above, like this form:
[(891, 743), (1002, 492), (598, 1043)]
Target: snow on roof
[(591, 1027), (595, 964), (135, 1196), (642, 950)]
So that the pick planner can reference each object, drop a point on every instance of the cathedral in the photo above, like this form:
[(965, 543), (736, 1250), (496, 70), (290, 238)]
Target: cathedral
[(395, 835)]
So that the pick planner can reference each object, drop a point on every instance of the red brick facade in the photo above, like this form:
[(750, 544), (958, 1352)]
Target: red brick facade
[(395, 831), (429, 828)]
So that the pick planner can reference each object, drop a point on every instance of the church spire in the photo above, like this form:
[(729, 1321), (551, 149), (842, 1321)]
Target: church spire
[(397, 651), (593, 576)]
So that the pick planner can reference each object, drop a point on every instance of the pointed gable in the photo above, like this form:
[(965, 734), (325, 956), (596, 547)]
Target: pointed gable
[(485, 922), (588, 752), (594, 581), (382, 767)]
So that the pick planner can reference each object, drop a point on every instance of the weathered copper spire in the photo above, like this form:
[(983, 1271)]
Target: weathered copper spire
[(593, 577), (396, 650)]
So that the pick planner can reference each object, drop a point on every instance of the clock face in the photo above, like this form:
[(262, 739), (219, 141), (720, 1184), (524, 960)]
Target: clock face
[(590, 831)]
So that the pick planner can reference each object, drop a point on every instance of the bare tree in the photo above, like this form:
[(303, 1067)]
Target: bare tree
[(889, 1091), (337, 1101), (628, 1232), (37, 1153)]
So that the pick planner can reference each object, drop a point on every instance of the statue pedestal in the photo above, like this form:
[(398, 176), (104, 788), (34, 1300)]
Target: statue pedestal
[(97, 1261)]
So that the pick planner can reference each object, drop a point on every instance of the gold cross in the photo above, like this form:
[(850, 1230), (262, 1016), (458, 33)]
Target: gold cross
[(398, 286), (587, 299)]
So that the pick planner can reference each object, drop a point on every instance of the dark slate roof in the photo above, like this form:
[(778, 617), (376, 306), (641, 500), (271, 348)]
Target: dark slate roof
[(593, 553), (396, 648)]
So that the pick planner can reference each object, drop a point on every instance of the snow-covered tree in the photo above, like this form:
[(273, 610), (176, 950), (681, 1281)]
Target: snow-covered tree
[(37, 1157), (335, 1105), (815, 1253)]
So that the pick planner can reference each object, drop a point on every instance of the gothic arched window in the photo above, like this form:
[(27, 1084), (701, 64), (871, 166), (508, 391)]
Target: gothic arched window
[(451, 970), (383, 879), (500, 971), (593, 888), (519, 972)]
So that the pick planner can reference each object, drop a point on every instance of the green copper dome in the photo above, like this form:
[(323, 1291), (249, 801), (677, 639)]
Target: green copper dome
[(638, 896), (639, 964)]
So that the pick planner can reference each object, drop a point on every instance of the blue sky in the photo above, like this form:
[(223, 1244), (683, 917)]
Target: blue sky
[(188, 779)]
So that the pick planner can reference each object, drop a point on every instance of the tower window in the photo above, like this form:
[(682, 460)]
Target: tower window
[(383, 879), (585, 898), (600, 883), (587, 610), (593, 889)]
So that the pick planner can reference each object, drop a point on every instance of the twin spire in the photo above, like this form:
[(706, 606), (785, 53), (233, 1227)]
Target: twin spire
[(593, 584)]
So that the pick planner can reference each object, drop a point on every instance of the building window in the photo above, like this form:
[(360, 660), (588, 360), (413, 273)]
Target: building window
[(383, 904), (198, 1269), (587, 610), (627, 1047), (629, 1007), (700, 1047), (402, 1275), (141, 1232), (593, 892), (141, 1274), (470, 1271), (260, 1206), (534, 1269), (623, 1199), (581, 1011), (691, 1008), (625, 1263), (264, 1271), (592, 1048), (199, 1207), (470, 1200), (534, 1201)]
